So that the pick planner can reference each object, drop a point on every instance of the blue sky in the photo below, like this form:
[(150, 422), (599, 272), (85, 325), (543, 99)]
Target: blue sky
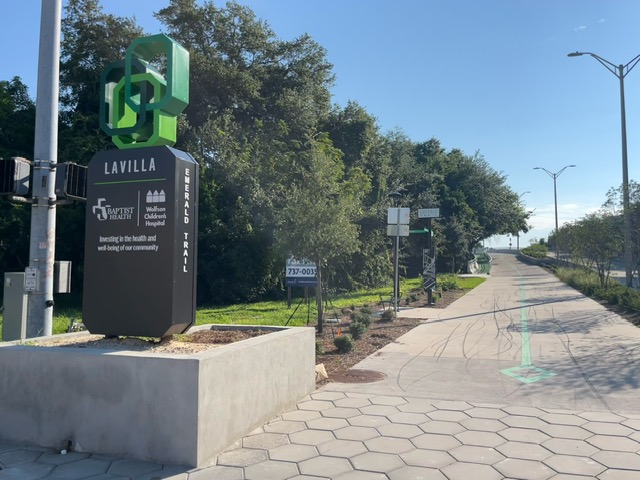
[(488, 76)]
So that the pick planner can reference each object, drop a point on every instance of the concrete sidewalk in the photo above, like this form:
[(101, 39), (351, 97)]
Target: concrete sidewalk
[(522, 378)]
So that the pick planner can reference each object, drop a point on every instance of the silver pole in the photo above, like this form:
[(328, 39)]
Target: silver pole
[(396, 280), (43, 211)]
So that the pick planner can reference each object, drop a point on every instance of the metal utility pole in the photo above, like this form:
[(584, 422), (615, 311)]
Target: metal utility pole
[(396, 251), (39, 274), (555, 194), (621, 71)]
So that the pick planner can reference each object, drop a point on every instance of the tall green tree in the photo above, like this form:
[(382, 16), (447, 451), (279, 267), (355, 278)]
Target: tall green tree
[(17, 126), (255, 109)]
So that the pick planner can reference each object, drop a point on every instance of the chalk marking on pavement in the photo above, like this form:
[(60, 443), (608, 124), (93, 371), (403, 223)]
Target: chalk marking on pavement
[(526, 372)]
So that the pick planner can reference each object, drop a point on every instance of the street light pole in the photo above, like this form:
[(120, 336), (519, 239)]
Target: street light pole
[(621, 71), (555, 194), (45, 157)]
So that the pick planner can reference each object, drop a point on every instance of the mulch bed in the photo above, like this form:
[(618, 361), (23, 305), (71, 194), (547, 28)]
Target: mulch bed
[(380, 333)]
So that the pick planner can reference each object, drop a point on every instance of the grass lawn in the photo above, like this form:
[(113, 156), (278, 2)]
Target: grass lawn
[(277, 312)]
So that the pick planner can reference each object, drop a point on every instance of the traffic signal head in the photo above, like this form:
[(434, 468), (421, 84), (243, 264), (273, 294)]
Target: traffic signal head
[(14, 176)]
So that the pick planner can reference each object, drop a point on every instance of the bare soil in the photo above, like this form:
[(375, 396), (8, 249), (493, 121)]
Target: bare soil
[(379, 334)]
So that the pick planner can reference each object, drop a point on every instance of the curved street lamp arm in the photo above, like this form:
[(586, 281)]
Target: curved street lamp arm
[(620, 71)]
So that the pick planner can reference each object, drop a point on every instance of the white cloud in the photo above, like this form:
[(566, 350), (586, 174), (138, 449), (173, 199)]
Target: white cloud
[(580, 28), (601, 20)]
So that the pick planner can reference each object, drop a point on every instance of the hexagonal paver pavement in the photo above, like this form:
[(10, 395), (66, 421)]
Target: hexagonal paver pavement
[(616, 444), (605, 428), (311, 437), (273, 470), (524, 469), (480, 439), (563, 419), (619, 460), (573, 465), (444, 428), (340, 412), (331, 467), (327, 423), (525, 435), (377, 462), (356, 433), (409, 418), (301, 415), (486, 412), (566, 431), (389, 445), (368, 421), (400, 430), (524, 451), (387, 400), (569, 446), (468, 471), (413, 472), (427, 458), (433, 441), (483, 424), (342, 448), (473, 454), (293, 453)]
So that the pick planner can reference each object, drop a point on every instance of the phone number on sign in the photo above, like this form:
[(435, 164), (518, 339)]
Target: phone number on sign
[(301, 271)]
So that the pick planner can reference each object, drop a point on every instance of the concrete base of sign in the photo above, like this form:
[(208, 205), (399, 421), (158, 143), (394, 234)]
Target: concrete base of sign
[(169, 408)]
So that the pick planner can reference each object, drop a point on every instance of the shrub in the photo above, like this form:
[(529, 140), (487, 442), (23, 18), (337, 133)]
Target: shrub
[(363, 317), (388, 316), (448, 282), (536, 251), (366, 309), (356, 329), (343, 343), (319, 348)]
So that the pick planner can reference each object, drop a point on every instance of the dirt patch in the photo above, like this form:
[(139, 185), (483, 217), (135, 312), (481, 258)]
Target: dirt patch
[(379, 334), (356, 375), (187, 343)]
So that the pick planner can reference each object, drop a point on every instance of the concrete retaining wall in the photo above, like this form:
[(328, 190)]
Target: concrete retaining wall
[(179, 409)]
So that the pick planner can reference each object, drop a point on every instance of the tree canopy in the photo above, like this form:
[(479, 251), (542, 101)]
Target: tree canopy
[(283, 172)]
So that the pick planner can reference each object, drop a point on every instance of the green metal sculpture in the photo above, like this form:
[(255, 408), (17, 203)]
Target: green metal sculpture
[(138, 105)]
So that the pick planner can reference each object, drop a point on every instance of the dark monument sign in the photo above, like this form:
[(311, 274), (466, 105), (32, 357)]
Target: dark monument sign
[(140, 245), (141, 218)]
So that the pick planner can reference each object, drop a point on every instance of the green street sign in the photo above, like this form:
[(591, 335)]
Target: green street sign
[(424, 230)]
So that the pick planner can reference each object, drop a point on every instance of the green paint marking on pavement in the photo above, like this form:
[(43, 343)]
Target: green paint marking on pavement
[(526, 372)]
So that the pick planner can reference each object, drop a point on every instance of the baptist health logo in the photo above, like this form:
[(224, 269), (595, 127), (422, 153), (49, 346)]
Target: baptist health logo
[(106, 212)]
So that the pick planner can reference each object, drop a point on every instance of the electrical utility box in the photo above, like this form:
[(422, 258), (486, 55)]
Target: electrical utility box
[(14, 325)]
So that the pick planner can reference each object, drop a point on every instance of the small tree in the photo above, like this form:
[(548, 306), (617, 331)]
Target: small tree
[(318, 222)]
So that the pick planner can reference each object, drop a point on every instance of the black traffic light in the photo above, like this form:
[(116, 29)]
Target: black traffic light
[(71, 181), (14, 176)]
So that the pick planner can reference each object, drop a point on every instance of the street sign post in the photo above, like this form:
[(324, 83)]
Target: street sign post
[(398, 226)]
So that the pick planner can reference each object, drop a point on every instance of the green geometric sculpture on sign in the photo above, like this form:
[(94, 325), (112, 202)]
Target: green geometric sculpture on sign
[(139, 107)]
